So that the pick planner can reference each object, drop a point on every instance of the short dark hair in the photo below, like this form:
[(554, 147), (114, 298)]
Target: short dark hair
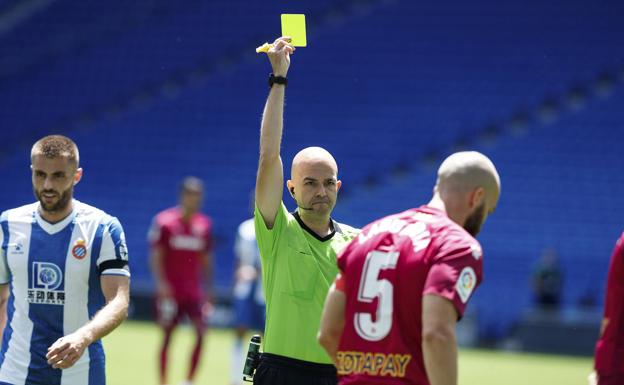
[(54, 146)]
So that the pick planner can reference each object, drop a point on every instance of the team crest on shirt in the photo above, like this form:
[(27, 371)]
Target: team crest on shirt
[(466, 283), (43, 287), (79, 251)]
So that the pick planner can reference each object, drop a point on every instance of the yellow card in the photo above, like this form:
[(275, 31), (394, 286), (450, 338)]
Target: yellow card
[(293, 25)]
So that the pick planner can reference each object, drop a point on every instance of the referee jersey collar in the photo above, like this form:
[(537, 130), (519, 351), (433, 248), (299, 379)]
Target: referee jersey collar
[(335, 228)]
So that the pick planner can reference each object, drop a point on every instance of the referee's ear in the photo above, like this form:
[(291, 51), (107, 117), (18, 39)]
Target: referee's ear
[(291, 188), (77, 175)]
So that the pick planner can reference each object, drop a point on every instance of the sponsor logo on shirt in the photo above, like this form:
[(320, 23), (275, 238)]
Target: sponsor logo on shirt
[(373, 364), (466, 283), (16, 248), (185, 242), (47, 277), (79, 251)]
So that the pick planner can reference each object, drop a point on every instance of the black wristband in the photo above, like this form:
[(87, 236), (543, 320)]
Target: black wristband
[(277, 80)]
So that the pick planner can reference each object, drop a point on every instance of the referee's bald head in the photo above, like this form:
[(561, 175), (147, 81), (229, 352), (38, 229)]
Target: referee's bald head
[(314, 181), (311, 156)]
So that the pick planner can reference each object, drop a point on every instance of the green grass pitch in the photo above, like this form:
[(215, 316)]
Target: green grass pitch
[(132, 353)]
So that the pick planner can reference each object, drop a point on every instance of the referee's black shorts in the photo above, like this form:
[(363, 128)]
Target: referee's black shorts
[(280, 370)]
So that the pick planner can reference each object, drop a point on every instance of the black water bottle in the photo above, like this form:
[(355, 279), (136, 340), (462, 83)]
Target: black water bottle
[(253, 358)]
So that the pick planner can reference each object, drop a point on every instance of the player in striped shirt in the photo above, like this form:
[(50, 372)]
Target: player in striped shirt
[(64, 277)]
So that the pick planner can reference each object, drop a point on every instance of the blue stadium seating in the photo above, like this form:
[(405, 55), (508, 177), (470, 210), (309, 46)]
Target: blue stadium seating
[(562, 188)]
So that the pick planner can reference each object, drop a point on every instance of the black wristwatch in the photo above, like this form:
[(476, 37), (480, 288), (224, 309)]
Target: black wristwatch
[(277, 80)]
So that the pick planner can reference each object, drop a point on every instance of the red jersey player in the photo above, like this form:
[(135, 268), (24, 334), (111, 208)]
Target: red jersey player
[(609, 357), (181, 241), (406, 279)]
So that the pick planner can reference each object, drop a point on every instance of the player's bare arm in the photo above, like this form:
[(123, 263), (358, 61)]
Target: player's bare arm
[(439, 344), (64, 353), (270, 178), (332, 322), (156, 262), (4, 299)]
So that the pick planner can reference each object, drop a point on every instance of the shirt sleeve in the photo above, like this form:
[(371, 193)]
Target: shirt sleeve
[(239, 247), (5, 274), (341, 283), (267, 238), (113, 259), (157, 234), (456, 272), (245, 248)]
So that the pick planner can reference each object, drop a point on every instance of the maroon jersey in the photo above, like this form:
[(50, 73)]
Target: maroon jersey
[(609, 357), (183, 245), (386, 271)]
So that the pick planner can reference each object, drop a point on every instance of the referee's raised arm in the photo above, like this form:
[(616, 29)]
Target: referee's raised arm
[(270, 178)]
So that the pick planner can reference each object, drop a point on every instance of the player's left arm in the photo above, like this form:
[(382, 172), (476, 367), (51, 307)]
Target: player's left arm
[(451, 281), (68, 349), (333, 319), (439, 344), (115, 285)]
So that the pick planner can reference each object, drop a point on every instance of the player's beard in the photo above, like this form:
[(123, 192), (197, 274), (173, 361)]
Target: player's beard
[(61, 204), (475, 220)]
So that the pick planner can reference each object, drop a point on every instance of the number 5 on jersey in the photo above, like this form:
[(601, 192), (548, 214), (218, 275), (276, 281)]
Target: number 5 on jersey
[(372, 287)]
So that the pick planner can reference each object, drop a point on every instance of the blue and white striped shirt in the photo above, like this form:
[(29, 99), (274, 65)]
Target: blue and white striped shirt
[(54, 275)]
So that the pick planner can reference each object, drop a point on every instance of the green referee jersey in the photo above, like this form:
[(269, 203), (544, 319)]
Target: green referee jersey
[(298, 267)]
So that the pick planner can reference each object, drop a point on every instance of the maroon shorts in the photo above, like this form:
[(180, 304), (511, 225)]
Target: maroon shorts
[(170, 311), (613, 378)]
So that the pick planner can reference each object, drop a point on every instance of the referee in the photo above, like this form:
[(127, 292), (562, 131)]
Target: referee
[(298, 249)]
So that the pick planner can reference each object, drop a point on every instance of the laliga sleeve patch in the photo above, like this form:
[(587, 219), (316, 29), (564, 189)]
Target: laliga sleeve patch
[(466, 283)]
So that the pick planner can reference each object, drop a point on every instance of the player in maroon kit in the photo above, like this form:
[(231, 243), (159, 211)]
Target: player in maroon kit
[(609, 357), (405, 280), (181, 242)]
